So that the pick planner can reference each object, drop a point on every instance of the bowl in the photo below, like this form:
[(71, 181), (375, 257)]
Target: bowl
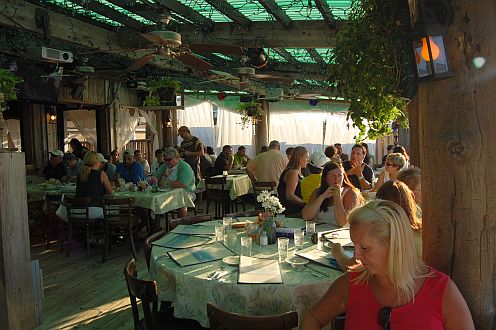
[(296, 262)]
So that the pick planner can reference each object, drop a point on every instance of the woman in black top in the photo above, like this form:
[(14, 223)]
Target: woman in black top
[(289, 188), (91, 182)]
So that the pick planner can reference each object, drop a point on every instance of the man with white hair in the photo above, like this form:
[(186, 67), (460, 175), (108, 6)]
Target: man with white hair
[(267, 166)]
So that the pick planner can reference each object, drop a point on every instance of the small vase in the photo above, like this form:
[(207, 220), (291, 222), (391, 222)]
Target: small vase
[(269, 226)]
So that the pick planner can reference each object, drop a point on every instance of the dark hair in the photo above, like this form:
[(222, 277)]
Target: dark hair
[(366, 159), (114, 152), (401, 150), (289, 150), (361, 147), (76, 143), (312, 169), (399, 193), (390, 147), (324, 185), (137, 151), (210, 150), (264, 149), (159, 151), (241, 148), (330, 151), (226, 148)]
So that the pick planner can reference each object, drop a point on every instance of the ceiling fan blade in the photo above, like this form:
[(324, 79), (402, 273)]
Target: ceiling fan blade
[(140, 62), (195, 62), (212, 48), (308, 96), (227, 75), (269, 77)]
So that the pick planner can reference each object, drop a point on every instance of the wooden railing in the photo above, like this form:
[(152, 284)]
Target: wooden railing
[(145, 146)]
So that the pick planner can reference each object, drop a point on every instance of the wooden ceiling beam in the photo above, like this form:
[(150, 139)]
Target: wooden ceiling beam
[(285, 54), (303, 34), (326, 12), (188, 13), (231, 12), (275, 10), (142, 9), (315, 55)]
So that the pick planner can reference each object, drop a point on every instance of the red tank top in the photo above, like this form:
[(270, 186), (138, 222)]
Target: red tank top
[(425, 312)]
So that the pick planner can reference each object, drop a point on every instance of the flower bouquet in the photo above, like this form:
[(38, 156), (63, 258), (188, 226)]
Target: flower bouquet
[(271, 206), (153, 182)]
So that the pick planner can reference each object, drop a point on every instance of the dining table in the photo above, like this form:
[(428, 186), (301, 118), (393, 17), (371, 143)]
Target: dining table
[(237, 185), (190, 287)]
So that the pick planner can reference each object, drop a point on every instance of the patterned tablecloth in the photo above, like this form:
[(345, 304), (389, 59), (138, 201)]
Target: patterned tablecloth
[(190, 289), (237, 184), (159, 202)]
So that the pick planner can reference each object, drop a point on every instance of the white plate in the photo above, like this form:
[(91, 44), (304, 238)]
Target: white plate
[(296, 261), (231, 261)]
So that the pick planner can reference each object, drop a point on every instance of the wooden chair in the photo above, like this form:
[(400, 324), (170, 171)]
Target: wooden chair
[(147, 249), (78, 219), (37, 218), (52, 204), (251, 213), (118, 214), (147, 292), (216, 193), (189, 220), (223, 320), (260, 186)]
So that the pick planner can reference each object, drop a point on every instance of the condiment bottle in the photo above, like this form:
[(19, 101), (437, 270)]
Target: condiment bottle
[(264, 240)]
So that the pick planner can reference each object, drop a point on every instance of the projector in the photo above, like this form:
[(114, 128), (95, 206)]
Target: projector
[(50, 55)]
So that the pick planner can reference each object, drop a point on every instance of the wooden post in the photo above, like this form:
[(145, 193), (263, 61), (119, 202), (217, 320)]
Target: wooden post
[(457, 130), (17, 310)]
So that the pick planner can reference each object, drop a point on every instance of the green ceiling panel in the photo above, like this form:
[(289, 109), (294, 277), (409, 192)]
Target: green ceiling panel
[(299, 10), (83, 11), (205, 9), (325, 53), (253, 10), (222, 56), (300, 54), (127, 12), (274, 56)]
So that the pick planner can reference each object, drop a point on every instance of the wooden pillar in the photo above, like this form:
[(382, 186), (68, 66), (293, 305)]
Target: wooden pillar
[(17, 309), (34, 134), (103, 125)]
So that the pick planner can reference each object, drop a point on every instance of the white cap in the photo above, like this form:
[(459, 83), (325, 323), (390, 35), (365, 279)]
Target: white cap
[(318, 160), (57, 153), (101, 159)]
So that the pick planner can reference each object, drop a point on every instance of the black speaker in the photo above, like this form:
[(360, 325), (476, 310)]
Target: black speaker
[(246, 98)]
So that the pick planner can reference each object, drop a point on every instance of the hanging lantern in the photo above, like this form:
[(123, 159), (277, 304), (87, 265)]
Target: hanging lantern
[(313, 102)]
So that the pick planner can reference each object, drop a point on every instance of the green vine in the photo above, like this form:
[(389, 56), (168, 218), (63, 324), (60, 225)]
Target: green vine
[(370, 65), (250, 112), (8, 82)]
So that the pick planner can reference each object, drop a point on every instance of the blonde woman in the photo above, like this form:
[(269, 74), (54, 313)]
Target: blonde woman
[(336, 196), (394, 163), (390, 288), (289, 188)]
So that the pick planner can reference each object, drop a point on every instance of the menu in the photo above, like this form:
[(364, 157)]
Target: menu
[(322, 257), (200, 254), (180, 241), (194, 230), (257, 270)]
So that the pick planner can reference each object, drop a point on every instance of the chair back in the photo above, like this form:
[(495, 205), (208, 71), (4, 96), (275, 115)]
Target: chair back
[(251, 213), (220, 319), (148, 245), (77, 209), (215, 189), (189, 220), (117, 209), (260, 186), (141, 289)]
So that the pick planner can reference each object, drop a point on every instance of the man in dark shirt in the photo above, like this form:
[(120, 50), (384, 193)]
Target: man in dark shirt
[(225, 160), (55, 169), (130, 170), (339, 150), (359, 173), (191, 150), (390, 148)]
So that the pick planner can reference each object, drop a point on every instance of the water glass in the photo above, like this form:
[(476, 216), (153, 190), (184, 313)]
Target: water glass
[(219, 233), (246, 243), (280, 219), (282, 248), (230, 237), (310, 228), (299, 239), (227, 223)]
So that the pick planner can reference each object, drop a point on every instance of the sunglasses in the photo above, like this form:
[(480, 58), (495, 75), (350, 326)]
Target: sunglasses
[(384, 317)]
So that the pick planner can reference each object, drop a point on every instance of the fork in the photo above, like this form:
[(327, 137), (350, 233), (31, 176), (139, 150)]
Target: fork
[(316, 272)]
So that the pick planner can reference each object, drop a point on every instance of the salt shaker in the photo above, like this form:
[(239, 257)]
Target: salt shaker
[(264, 239)]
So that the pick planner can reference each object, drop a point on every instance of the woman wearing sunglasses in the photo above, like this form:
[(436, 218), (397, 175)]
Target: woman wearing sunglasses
[(394, 163), (389, 288)]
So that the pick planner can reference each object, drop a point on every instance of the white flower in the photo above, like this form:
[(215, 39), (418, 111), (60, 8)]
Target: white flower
[(269, 202)]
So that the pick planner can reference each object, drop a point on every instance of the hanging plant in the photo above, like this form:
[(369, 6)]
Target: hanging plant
[(162, 91), (372, 59), (8, 82), (251, 112)]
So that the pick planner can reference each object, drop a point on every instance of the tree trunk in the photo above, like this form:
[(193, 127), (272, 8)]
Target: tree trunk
[(457, 126)]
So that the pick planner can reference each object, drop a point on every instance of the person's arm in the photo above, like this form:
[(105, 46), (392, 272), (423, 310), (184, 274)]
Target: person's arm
[(340, 207), (311, 210), (245, 160), (229, 163), (456, 313), (342, 259), (380, 181), (197, 153), (139, 174), (250, 170), (331, 305), (146, 167), (366, 178), (106, 183), (292, 179), (183, 177)]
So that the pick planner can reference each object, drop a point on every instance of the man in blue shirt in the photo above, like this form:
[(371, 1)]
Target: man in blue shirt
[(130, 170)]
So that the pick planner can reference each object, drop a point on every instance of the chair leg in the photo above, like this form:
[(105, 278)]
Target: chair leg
[(47, 231), (87, 241), (131, 238), (69, 240)]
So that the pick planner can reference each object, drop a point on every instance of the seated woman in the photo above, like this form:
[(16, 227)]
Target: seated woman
[(397, 192), (390, 288), (412, 178), (394, 163), (336, 196), (289, 189), (91, 182)]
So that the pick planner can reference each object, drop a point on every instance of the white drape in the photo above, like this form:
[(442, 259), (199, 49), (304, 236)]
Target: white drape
[(199, 119), (232, 133), (151, 120), (14, 131), (125, 122), (85, 122)]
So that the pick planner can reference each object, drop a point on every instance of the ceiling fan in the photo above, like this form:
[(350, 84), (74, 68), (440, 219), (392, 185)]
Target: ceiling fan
[(243, 77)]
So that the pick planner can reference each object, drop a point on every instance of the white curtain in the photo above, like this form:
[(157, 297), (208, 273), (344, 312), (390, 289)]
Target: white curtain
[(199, 118), (151, 120), (14, 133), (126, 120), (232, 133), (85, 122)]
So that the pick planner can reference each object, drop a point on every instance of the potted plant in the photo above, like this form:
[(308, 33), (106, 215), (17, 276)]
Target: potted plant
[(161, 92), (372, 65), (250, 112), (8, 82)]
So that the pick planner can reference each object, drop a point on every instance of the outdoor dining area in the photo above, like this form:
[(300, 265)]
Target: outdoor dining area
[(259, 164)]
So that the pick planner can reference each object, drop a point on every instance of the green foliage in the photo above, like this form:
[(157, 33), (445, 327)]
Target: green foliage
[(151, 101), (8, 82), (369, 63), (163, 83), (250, 111)]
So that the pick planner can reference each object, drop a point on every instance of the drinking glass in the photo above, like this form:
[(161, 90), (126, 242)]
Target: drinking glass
[(227, 223), (246, 243), (280, 219), (310, 228), (299, 239), (219, 233), (230, 237), (282, 248)]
